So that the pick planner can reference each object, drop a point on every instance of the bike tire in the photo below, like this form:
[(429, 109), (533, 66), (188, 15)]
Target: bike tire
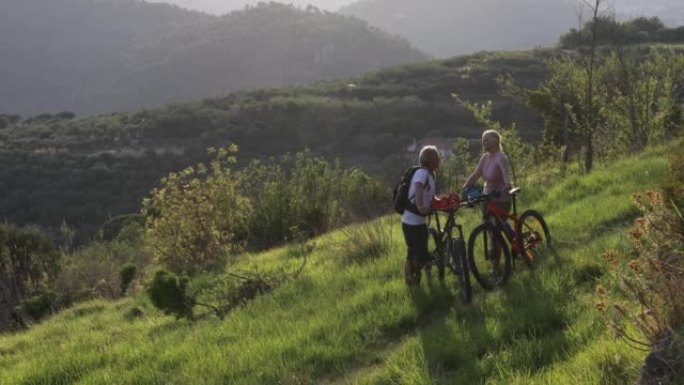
[(534, 238), (486, 268), (459, 262), (438, 256)]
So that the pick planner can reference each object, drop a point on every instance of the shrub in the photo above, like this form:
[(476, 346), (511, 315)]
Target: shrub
[(38, 306), (169, 294), (305, 194), (29, 263), (652, 277), (672, 183), (95, 271), (197, 215), (126, 275)]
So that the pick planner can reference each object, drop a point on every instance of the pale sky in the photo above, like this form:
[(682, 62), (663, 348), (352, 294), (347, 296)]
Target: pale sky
[(220, 7), (670, 11)]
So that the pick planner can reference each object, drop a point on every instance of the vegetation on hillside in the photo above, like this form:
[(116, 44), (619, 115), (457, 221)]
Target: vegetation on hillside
[(636, 31), (353, 321), (194, 245), (85, 170)]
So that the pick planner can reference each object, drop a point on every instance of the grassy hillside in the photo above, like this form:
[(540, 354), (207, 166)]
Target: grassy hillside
[(348, 322)]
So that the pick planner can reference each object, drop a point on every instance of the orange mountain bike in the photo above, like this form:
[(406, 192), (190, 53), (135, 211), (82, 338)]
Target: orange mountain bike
[(529, 240)]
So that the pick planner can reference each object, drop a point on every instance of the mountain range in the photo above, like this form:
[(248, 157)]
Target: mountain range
[(93, 56)]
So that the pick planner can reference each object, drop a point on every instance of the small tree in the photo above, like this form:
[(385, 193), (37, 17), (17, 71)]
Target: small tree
[(197, 215)]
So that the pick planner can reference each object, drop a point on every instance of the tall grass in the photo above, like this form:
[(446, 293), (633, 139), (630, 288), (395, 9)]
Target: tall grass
[(348, 323)]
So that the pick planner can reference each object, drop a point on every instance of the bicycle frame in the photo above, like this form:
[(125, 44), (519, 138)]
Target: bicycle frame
[(444, 234), (492, 211), (499, 215)]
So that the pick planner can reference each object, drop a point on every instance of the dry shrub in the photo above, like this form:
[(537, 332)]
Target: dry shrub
[(652, 275), (651, 278)]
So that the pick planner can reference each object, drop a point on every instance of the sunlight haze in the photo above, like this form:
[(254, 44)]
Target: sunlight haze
[(224, 6)]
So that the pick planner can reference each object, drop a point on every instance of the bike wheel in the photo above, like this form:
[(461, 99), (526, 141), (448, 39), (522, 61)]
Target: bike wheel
[(534, 239), (459, 264), (438, 258), (486, 249)]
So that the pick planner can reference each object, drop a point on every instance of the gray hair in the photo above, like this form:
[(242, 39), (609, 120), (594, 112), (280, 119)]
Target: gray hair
[(427, 154)]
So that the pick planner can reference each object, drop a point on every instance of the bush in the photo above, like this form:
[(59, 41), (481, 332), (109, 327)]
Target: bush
[(168, 293), (197, 216), (305, 194), (673, 183), (95, 271), (38, 306), (126, 275), (29, 263), (652, 277)]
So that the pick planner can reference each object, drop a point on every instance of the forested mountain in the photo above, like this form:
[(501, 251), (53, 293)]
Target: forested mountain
[(450, 27), (90, 56)]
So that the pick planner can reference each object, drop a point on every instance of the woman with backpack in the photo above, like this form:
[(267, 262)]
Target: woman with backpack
[(421, 193)]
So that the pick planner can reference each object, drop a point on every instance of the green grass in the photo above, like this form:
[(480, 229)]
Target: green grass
[(349, 321)]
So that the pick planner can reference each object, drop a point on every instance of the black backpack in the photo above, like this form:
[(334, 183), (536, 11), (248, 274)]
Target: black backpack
[(400, 196)]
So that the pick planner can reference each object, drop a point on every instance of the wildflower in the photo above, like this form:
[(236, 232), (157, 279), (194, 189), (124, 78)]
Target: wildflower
[(601, 290), (611, 257), (634, 265), (637, 201), (601, 306)]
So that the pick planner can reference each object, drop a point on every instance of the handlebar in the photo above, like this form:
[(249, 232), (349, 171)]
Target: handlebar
[(470, 202)]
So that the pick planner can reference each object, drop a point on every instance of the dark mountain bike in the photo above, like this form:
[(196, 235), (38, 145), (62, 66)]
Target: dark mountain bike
[(450, 250), (529, 240)]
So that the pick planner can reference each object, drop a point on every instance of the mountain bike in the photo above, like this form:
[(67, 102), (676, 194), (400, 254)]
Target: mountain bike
[(450, 250), (529, 240)]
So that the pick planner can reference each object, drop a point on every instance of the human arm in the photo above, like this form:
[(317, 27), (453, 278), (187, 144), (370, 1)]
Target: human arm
[(506, 173), (420, 191), (476, 174)]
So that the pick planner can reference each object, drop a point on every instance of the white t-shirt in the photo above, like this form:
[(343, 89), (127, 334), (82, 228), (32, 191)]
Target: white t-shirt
[(421, 175)]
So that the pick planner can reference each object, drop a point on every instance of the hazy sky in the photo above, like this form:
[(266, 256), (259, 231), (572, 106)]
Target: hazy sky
[(671, 11), (224, 6)]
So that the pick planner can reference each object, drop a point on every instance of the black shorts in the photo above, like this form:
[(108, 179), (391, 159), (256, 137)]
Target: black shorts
[(416, 237)]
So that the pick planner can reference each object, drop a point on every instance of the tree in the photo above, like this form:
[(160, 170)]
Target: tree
[(28, 263), (197, 216)]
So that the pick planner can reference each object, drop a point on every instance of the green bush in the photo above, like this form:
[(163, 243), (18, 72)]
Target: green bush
[(29, 263), (673, 183), (38, 306), (169, 294), (305, 194), (126, 275)]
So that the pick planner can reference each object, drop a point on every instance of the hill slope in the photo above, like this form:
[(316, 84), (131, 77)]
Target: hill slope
[(344, 323), (52, 165), (91, 56)]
